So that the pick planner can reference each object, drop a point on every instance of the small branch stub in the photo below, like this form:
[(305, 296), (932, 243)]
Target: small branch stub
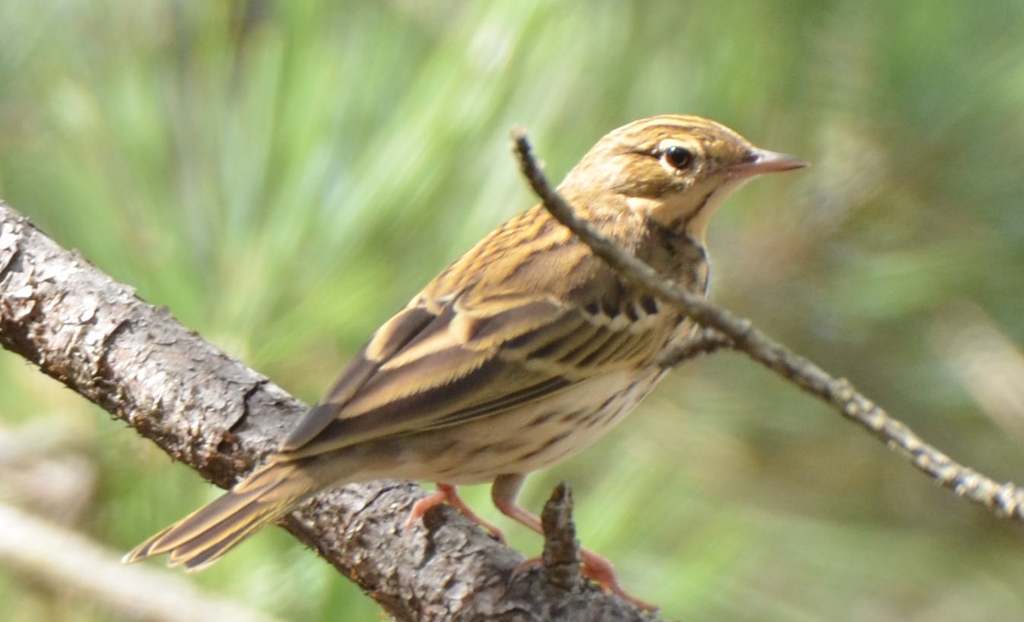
[(561, 554)]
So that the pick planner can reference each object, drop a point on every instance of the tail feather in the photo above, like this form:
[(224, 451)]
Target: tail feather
[(204, 536)]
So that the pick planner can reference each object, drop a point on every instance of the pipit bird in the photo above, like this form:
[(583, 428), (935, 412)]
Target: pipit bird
[(521, 353)]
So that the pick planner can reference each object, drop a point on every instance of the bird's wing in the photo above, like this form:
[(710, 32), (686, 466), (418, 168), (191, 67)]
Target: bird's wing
[(482, 341), (425, 371)]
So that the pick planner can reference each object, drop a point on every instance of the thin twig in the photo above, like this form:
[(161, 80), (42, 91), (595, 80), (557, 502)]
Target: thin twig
[(69, 563), (704, 341), (1004, 499)]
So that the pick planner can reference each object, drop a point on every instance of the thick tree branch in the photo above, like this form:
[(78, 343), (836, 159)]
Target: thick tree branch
[(1004, 499), (210, 411)]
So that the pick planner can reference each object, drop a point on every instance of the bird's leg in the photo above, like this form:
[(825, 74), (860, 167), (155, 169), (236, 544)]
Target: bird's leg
[(448, 493), (595, 567)]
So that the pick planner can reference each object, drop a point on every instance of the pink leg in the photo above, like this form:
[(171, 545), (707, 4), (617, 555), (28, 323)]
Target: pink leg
[(447, 493), (595, 567)]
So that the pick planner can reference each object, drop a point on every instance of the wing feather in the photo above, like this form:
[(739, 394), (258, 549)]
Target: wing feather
[(388, 340), (464, 369), (477, 343)]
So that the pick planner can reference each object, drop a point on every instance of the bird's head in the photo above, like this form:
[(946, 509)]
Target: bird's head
[(675, 169)]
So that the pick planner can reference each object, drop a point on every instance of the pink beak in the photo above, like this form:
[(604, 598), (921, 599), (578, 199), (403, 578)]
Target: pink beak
[(761, 161)]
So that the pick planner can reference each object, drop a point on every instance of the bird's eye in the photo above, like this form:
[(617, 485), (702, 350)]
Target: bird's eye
[(679, 157)]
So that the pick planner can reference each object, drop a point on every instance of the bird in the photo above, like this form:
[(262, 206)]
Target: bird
[(522, 352)]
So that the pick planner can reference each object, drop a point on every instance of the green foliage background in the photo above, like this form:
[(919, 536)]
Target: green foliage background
[(284, 175)]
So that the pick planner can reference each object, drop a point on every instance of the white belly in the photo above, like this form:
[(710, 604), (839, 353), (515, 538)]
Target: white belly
[(527, 438)]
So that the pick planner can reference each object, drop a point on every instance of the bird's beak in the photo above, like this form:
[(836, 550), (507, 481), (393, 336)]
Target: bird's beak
[(761, 161)]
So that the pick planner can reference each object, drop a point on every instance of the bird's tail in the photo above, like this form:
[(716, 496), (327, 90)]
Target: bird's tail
[(204, 536)]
